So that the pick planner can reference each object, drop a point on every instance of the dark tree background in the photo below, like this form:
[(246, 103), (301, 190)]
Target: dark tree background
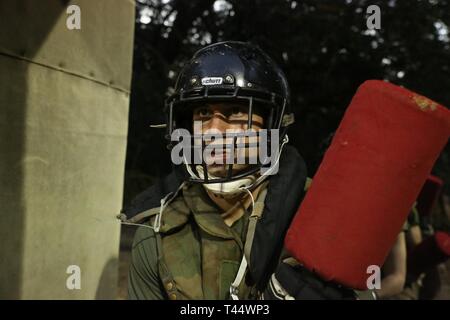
[(323, 46)]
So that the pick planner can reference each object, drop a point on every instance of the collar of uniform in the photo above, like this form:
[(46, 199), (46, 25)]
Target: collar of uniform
[(175, 215), (207, 214)]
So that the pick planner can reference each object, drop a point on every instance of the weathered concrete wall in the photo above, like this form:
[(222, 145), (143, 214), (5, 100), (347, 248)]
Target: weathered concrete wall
[(64, 98)]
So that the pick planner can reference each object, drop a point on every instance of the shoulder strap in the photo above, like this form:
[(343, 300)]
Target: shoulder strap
[(140, 216), (253, 219), (257, 211)]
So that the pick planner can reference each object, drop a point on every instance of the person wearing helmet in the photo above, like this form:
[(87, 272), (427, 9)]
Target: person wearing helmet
[(214, 228)]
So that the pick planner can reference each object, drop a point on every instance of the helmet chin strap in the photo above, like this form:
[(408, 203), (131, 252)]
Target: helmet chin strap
[(229, 188), (233, 188)]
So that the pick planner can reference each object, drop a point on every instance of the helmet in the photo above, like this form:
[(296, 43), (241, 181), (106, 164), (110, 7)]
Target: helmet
[(230, 71)]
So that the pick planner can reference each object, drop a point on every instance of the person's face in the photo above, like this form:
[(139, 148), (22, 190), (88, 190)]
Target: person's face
[(220, 117)]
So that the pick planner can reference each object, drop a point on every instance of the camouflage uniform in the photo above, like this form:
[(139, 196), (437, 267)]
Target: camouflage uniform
[(195, 256)]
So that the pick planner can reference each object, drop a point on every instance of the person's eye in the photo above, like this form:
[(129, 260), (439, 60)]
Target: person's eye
[(202, 112)]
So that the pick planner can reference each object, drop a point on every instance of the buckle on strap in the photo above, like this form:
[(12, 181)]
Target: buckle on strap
[(234, 291)]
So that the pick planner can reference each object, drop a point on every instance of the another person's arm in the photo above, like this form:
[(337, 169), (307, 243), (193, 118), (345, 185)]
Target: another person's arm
[(414, 233), (394, 270), (414, 236)]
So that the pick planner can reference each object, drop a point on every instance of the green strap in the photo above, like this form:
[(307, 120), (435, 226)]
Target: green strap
[(253, 219), (144, 214), (257, 210)]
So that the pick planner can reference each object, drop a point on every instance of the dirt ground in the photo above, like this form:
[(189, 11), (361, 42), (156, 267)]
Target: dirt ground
[(443, 273)]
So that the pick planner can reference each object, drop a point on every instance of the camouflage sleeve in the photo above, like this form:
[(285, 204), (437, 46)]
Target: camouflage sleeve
[(143, 279)]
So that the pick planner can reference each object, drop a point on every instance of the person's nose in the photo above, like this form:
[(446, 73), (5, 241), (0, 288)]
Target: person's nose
[(218, 122)]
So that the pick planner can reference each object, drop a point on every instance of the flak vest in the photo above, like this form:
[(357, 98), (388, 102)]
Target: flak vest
[(198, 254)]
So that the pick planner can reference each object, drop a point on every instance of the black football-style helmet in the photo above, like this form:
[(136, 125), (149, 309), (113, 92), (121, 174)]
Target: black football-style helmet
[(230, 71)]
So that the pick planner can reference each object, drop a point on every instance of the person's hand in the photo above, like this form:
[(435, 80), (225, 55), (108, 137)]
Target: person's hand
[(296, 283)]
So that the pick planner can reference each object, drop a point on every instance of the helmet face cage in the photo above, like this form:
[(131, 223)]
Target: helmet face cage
[(235, 72), (274, 104)]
